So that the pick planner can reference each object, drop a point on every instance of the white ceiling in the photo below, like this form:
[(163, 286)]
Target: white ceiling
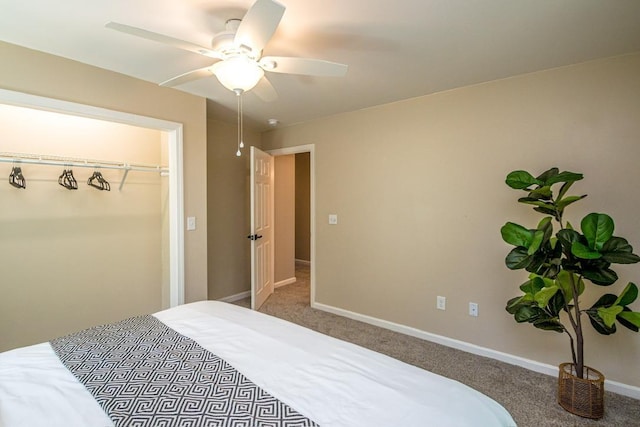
[(395, 49)]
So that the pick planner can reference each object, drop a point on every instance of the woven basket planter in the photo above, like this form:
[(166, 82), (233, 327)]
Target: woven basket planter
[(583, 397)]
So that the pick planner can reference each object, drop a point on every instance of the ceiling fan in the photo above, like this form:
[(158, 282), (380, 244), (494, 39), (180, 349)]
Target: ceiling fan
[(237, 52)]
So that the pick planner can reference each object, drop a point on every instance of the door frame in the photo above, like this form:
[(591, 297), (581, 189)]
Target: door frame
[(308, 148)]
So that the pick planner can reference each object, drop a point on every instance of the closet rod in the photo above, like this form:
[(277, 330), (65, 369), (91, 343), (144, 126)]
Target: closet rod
[(73, 162), (81, 163)]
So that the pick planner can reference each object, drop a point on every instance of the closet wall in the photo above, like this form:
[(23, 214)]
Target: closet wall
[(76, 258)]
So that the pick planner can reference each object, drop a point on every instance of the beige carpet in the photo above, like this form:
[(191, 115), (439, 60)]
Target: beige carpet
[(528, 396)]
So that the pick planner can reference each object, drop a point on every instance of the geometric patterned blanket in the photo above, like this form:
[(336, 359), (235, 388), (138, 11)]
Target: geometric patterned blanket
[(143, 373)]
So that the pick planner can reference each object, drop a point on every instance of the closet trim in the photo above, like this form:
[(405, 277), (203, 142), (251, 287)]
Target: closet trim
[(176, 179)]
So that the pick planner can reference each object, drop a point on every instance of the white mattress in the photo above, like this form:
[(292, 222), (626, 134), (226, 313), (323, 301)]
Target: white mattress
[(333, 382)]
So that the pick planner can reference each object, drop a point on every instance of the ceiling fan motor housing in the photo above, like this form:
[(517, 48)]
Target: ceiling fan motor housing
[(224, 42)]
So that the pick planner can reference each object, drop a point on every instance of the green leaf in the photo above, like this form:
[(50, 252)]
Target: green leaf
[(564, 177), (544, 295), (538, 237), (553, 212), (621, 258), (536, 202), (582, 251), (608, 314), (516, 235), (600, 276), (597, 228), (627, 296), (567, 237), (536, 262), (561, 204), (631, 317), (532, 286), (552, 324), (617, 250), (565, 280), (514, 304), (541, 281), (542, 193), (545, 225), (518, 258), (605, 300), (556, 304), (521, 180), (544, 176), (528, 313), (563, 190), (598, 323)]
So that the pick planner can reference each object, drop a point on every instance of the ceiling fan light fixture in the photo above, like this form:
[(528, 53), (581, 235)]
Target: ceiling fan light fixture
[(238, 72)]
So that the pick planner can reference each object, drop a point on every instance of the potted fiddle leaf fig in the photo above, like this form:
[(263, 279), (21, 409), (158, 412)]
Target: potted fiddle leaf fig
[(561, 263)]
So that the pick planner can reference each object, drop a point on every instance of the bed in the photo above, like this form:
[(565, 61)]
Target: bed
[(214, 363)]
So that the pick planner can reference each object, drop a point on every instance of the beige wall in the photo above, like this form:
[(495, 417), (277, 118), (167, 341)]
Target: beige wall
[(419, 189), (78, 258), (36, 73), (228, 210), (285, 215), (303, 207)]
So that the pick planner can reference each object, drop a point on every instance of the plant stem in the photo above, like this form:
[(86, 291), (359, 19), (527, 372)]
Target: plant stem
[(578, 329), (574, 319), (573, 351), (574, 325)]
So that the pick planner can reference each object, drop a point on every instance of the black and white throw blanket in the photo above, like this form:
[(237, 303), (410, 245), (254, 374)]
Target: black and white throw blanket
[(144, 373)]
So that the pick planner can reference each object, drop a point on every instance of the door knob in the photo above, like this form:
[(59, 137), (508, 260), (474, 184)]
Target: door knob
[(254, 237)]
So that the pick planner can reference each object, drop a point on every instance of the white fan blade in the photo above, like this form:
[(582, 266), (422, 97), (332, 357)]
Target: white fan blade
[(265, 91), (259, 24), (305, 66), (188, 77), (161, 38)]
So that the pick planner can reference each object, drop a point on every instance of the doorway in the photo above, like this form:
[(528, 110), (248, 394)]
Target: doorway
[(297, 224)]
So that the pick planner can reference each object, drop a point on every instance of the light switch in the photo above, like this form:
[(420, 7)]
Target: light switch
[(333, 219), (191, 223)]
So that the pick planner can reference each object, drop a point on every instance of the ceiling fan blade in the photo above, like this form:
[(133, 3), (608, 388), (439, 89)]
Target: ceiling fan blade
[(161, 38), (188, 77), (259, 24), (305, 66), (265, 91)]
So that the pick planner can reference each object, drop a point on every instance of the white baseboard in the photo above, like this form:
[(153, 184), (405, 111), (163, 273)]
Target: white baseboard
[(284, 282), (543, 368), (236, 297)]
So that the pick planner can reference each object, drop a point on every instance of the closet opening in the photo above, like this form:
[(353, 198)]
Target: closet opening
[(111, 248)]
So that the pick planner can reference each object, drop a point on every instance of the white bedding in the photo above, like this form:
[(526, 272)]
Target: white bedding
[(333, 382)]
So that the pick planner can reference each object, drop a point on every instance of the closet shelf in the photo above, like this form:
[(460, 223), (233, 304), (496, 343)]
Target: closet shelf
[(49, 160)]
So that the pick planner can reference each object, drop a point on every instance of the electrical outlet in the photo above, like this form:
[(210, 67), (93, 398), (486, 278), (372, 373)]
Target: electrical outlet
[(473, 309), (441, 303)]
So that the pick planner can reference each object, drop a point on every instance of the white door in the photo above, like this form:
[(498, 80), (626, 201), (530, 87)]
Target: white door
[(261, 227)]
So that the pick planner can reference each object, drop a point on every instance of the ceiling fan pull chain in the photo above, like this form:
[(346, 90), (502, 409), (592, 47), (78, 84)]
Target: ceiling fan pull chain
[(241, 123), (238, 93)]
